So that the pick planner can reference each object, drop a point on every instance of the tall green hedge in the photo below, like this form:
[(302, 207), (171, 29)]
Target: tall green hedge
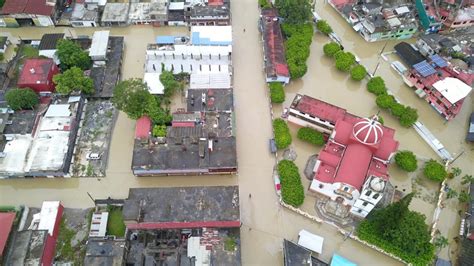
[(298, 42), (282, 133), (277, 93), (434, 171), (292, 189), (310, 135)]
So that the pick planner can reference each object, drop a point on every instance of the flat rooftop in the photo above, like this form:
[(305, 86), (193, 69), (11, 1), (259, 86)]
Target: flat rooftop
[(116, 12), (154, 10), (105, 252), (214, 100), (182, 204), (106, 77), (27, 247)]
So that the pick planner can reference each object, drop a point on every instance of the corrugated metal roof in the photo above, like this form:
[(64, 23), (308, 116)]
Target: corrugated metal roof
[(99, 44)]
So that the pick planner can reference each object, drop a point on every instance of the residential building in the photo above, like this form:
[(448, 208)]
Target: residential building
[(47, 46), (153, 12), (176, 14), (115, 14), (99, 47), (466, 231), (37, 74), (376, 21), (16, 13), (6, 226), (98, 227), (217, 14), (85, 14), (100, 251), (443, 85), (296, 255), (427, 16), (36, 246), (275, 66), (42, 144), (183, 225), (351, 172), (447, 44), (448, 13), (4, 42)]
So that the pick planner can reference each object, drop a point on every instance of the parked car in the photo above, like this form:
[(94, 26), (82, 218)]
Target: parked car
[(273, 147), (470, 130), (93, 156)]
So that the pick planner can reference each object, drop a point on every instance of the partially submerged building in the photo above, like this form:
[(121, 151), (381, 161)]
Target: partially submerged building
[(153, 12), (351, 171), (86, 13), (104, 251), (447, 14), (216, 13), (37, 74), (46, 149), (275, 66), (441, 84), (115, 14), (183, 225), (376, 21), (47, 46), (37, 244), (16, 13), (6, 226)]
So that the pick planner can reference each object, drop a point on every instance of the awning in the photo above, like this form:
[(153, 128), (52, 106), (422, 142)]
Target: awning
[(310, 241)]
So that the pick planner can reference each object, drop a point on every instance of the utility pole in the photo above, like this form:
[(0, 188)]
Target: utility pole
[(378, 59), (457, 157), (89, 194)]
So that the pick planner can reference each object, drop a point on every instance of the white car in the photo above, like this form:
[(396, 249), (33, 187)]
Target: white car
[(93, 156)]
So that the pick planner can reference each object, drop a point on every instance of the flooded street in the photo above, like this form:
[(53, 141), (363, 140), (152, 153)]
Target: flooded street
[(265, 223)]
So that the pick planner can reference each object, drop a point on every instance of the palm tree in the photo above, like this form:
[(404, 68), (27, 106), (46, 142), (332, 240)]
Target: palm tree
[(466, 179)]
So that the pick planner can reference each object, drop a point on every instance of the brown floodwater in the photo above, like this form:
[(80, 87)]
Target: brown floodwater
[(265, 223)]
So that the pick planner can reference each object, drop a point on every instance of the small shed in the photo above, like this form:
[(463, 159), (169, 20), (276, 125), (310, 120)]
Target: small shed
[(100, 41), (143, 127), (310, 241)]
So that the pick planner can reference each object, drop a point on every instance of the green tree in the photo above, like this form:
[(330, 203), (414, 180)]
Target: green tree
[(440, 242), (264, 4), (330, 49), (159, 131), (434, 171), (282, 133), (456, 171), (464, 197), (157, 114), (467, 179), (169, 83), (297, 70), (323, 26), (400, 231), (310, 135), (277, 93), (19, 99), (2, 56), (376, 85), (73, 79), (294, 11), (385, 101), (406, 160), (132, 97), (409, 117), (71, 55), (451, 193), (381, 121), (344, 61), (292, 189), (358, 72), (397, 109)]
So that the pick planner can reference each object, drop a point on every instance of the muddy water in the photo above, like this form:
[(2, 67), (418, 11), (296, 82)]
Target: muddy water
[(264, 222)]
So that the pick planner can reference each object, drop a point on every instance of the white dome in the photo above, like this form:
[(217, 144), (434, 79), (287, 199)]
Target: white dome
[(368, 131), (377, 184)]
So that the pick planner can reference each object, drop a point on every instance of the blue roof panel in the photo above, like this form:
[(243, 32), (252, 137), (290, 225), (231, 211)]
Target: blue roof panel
[(338, 260), (424, 69), (165, 39), (197, 40), (438, 60)]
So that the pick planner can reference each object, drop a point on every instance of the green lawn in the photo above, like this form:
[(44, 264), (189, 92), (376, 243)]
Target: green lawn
[(115, 225)]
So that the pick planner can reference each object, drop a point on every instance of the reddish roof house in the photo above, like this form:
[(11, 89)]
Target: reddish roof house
[(37, 74), (37, 245), (6, 223), (276, 68), (143, 128), (16, 13), (351, 171)]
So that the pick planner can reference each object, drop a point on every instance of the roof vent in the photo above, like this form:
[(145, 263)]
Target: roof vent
[(32, 70)]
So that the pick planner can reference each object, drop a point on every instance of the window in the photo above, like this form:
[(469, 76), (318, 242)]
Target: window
[(321, 186), (368, 193), (376, 196), (365, 203), (346, 189)]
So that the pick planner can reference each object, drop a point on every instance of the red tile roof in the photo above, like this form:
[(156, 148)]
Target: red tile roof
[(354, 165), (143, 127), (6, 223), (36, 71), (215, 2), (49, 251), (178, 225), (275, 64), (36, 7), (320, 109)]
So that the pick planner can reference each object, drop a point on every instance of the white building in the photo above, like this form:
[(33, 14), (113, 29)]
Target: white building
[(98, 50), (372, 193)]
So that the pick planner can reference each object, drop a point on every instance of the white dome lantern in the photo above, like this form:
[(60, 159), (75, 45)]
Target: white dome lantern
[(377, 184)]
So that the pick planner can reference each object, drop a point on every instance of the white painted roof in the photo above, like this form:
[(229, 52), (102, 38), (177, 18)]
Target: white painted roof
[(213, 33), (402, 10), (198, 251), (48, 216), (210, 81), (153, 82), (176, 6), (99, 224), (99, 44), (310, 241), (452, 89), (58, 110)]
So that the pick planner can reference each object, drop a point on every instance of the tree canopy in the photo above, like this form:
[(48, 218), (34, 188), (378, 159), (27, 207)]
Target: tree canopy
[(292, 189), (323, 26), (299, 38), (73, 79), (434, 171), (358, 72), (277, 93), (385, 101), (169, 83), (282, 133), (406, 160), (71, 55), (400, 231), (310, 135), (408, 117), (294, 11), (330, 49), (132, 97), (19, 99), (344, 60), (376, 85)]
